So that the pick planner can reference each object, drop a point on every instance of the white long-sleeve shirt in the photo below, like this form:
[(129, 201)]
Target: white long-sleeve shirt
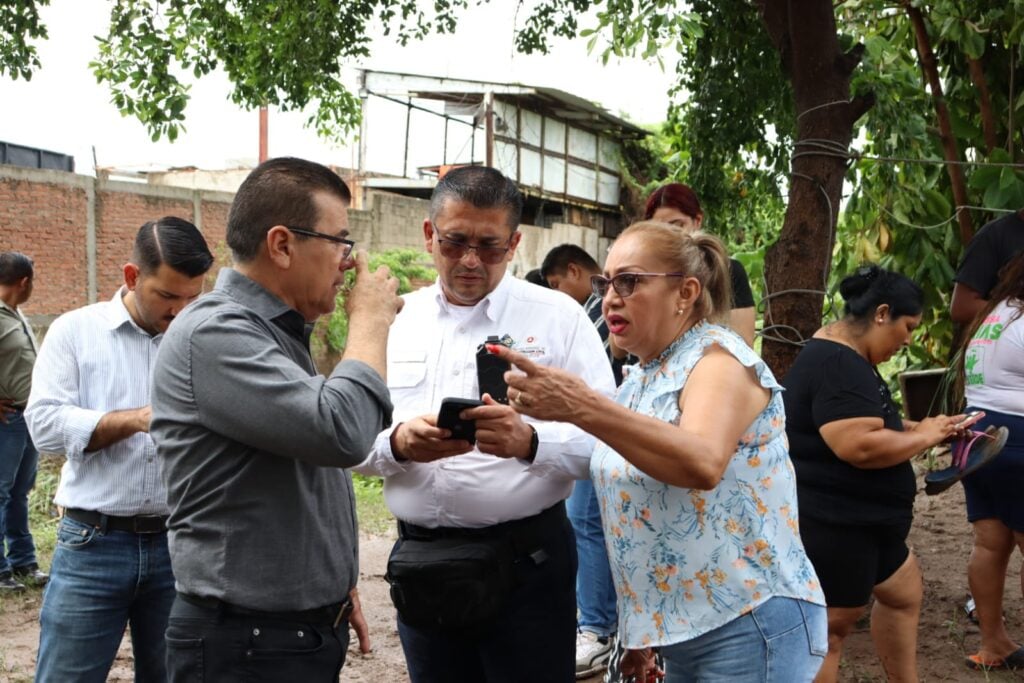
[(95, 360), (432, 355)]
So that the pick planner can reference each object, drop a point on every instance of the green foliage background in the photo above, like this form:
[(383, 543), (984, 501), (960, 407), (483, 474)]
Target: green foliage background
[(729, 133), (411, 266)]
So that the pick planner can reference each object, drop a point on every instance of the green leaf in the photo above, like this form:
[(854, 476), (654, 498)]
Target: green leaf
[(1007, 179)]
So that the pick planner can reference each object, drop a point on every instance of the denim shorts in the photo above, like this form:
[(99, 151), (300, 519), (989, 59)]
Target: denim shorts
[(783, 640)]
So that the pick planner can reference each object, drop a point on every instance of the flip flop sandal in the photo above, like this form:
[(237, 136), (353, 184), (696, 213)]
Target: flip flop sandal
[(1014, 660), (967, 458), (971, 610)]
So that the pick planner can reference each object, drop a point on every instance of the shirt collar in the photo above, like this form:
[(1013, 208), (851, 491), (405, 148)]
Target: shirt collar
[(116, 314), (492, 305), (256, 297)]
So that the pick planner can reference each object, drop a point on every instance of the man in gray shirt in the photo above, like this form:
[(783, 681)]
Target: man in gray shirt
[(262, 527), (18, 455)]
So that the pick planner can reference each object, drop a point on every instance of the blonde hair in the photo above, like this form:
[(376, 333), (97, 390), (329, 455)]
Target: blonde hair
[(698, 255)]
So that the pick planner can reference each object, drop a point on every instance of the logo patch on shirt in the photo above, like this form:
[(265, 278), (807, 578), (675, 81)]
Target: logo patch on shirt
[(530, 349)]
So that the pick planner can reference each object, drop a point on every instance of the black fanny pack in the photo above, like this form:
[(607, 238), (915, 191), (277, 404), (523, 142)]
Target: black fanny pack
[(452, 579), (450, 583)]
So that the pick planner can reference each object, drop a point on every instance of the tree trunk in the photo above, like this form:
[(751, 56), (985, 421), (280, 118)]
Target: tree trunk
[(988, 119), (804, 33), (950, 148)]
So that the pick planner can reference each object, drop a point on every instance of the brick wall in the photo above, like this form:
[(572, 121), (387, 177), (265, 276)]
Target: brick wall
[(80, 230), (48, 221), (118, 217)]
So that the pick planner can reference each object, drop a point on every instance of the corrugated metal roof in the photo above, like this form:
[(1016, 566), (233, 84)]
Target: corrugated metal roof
[(549, 101)]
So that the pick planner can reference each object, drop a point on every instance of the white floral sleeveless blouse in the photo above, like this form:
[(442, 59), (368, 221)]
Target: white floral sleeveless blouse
[(687, 561)]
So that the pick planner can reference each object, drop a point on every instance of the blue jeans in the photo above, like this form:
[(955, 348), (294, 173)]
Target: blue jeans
[(18, 462), (595, 591), (99, 582), (782, 640)]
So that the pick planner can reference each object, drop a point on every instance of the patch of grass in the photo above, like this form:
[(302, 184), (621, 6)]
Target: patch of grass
[(42, 513), (374, 516)]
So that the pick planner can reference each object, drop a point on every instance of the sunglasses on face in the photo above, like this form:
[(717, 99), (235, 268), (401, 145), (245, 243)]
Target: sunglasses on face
[(456, 250), (623, 283), (346, 245)]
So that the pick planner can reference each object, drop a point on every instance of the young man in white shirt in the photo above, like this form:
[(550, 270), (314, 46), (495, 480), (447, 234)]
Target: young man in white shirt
[(505, 494), (90, 401)]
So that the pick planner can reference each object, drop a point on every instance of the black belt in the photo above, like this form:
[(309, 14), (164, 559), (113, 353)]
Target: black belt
[(526, 534), (332, 614), (139, 524)]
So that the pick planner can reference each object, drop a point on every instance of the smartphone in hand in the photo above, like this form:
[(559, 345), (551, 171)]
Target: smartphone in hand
[(448, 418), (971, 418), (490, 370)]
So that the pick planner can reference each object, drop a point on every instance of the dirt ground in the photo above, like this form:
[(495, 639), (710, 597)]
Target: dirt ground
[(940, 537)]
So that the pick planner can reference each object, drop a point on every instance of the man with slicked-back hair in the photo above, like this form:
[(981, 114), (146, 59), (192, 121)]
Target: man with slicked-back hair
[(90, 401)]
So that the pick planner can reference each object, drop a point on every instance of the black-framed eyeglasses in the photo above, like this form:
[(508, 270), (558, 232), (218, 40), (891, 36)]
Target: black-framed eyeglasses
[(346, 244), (623, 283), (455, 250)]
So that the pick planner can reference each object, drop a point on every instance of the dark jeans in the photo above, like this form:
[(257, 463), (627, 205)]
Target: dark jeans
[(99, 582), (204, 644), (534, 640), (18, 460)]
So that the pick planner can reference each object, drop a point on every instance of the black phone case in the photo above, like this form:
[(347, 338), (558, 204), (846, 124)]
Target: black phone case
[(448, 418), (490, 374)]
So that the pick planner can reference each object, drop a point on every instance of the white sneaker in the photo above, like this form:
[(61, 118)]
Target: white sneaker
[(592, 653)]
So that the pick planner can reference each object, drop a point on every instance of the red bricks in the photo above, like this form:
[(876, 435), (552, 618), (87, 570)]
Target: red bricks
[(45, 214)]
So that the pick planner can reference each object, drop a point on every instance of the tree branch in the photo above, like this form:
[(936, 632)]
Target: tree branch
[(850, 60), (860, 105), (988, 120), (949, 145)]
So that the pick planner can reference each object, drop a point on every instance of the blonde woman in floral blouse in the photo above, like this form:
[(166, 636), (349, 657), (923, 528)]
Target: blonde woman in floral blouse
[(697, 494)]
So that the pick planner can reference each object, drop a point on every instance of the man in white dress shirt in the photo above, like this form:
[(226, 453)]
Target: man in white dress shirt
[(90, 401), (512, 615)]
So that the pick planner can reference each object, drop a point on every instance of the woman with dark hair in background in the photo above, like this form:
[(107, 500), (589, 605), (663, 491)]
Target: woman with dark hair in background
[(852, 456), (992, 371), (697, 495), (677, 204)]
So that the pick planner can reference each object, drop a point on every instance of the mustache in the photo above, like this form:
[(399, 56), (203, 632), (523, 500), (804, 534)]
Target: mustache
[(460, 270)]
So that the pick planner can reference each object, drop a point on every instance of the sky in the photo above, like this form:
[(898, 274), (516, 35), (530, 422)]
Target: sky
[(64, 109)]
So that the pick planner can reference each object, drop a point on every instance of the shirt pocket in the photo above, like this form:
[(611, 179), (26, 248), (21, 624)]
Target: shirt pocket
[(406, 369)]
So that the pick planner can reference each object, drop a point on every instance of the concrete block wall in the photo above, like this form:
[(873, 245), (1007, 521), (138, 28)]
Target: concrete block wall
[(398, 221), (80, 230), (537, 242)]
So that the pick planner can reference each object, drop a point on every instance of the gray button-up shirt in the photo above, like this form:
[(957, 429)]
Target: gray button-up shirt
[(253, 442)]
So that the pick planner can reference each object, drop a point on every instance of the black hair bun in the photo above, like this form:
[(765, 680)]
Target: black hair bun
[(858, 282)]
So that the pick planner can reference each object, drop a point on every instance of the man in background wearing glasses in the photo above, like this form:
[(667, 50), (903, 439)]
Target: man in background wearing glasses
[(509, 489), (262, 521)]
